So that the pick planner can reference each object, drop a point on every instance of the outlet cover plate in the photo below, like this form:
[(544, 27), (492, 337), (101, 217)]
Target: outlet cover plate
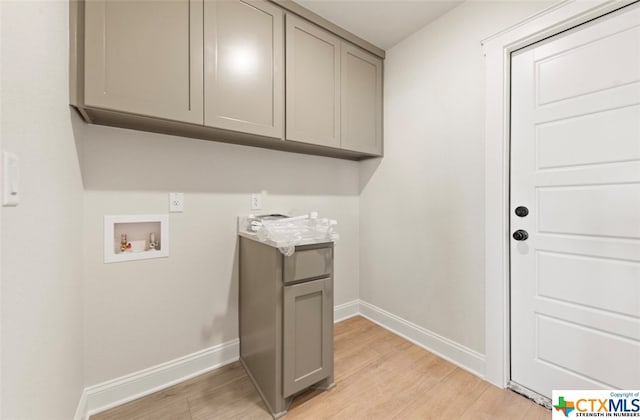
[(256, 201), (176, 202), (11, 176)]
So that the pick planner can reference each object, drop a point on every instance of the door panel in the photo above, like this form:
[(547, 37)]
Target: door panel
[(244, 67), (561, 308), (588, 210), (579, 69), (575, 163), (595, 365), (577, 141), (145, 57), (573, 279), (313, 84)]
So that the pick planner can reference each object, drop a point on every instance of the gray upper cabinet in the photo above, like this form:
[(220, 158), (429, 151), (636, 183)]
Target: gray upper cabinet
[(361, 96), (253, 72), (145, 58), (313, 84), (244, 67)]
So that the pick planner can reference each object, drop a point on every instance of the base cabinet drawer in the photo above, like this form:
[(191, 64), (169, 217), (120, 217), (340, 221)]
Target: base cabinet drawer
[(308, 263), (308, 338)]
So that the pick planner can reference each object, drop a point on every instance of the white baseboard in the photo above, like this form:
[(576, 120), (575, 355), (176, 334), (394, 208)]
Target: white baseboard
[(346, 310), (118, 391), (103, 396), (82, 410), (455, 353)]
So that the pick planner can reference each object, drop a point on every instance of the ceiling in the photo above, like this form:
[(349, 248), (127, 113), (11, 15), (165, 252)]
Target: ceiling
[(383, 23)]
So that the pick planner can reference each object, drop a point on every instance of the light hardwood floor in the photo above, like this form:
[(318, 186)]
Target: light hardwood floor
[(378, 376)]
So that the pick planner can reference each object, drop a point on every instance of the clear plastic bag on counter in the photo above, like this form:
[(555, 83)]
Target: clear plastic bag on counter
[(287, 232)]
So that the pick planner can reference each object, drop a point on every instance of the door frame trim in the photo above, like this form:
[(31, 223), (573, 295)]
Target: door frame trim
[(497, 50)]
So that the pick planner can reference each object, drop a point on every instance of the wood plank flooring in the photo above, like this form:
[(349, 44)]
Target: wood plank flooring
[(378, 376)]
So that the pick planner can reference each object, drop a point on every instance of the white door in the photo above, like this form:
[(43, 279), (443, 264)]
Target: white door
[(575, 165)]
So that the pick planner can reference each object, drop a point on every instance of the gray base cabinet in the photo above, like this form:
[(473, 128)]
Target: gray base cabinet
[(286, 320)]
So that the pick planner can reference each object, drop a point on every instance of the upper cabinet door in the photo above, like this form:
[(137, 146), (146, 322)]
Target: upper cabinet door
[(244, 66), (145, 57), (313, 84), (361, 100)]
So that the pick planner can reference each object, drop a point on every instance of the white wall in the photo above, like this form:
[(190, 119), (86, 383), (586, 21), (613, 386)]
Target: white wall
[(42, 237), (422, 206), (1, 187), (411, 224), (142, 313)]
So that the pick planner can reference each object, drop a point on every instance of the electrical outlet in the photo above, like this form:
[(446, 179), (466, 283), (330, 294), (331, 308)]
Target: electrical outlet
[(176, 202), (11, 175), (256, 201)]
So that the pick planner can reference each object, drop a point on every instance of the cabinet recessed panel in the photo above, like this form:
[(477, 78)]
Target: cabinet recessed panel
[(145, 57), (308, 317), (243, 67), (308, 357)]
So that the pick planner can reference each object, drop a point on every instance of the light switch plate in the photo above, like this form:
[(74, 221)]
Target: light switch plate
[(176, 202), (11, 179)]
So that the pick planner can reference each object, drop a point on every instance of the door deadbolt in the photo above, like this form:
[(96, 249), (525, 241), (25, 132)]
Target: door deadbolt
[(522, 211), (520, 235)]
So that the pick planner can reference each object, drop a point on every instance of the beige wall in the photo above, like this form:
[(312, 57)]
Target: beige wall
[(42, 237), (141, 313), (422, 208)]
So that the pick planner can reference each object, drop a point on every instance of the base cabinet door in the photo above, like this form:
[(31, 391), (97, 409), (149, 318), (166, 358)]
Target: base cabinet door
[(244, 66), (361, 98), (145, 58), (308, 334)]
